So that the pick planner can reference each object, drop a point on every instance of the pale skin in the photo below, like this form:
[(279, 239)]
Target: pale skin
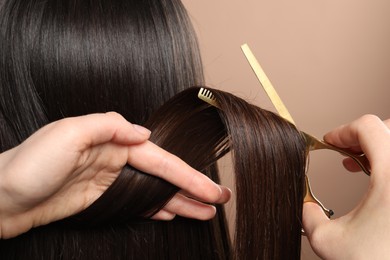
[(65, 166), (363, 233)]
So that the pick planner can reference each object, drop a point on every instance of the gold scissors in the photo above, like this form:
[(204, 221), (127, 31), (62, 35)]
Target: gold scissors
[(312, 143)]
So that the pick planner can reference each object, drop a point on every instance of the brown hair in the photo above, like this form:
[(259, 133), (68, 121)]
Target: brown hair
[(269, 162), (63, 58)]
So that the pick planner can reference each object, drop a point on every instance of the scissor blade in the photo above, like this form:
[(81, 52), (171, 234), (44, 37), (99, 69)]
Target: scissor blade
[(266, 83)]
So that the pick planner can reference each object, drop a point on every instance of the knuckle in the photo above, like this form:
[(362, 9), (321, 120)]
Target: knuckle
[(366, 122), (67, 127), (115, 115), (369, 118)]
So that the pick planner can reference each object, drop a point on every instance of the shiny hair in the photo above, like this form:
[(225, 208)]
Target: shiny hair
[(63, 58), (269, 165)]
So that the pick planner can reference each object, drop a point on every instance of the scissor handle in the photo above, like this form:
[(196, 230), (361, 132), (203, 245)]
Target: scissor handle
[(309, 197), (313, 143)]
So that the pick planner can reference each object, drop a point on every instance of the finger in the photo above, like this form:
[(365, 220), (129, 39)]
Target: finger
[(347, 136), (368, 132), (163, 215), (152, 159), (113, 127), (225, 196), (95, 129), (351, 165), (190, 208), (387, 123)]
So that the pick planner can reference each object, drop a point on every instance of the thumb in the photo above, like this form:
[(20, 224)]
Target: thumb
[(123, 132), (316, 226), (313, 217), (95, 129)]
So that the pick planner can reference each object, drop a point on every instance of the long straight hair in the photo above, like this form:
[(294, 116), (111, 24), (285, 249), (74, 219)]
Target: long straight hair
[(63, 58), (269, 162)]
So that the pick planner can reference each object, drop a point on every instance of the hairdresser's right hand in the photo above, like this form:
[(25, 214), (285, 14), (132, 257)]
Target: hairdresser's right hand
[(363, 233), (65, 166)]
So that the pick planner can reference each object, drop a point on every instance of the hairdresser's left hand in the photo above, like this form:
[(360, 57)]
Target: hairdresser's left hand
[(65, 166), (363, 233)]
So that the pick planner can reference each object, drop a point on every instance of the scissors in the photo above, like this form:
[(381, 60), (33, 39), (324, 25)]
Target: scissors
[(312, 143)]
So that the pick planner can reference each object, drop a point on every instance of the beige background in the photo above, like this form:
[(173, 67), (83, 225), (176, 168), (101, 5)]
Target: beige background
[(329, 61)]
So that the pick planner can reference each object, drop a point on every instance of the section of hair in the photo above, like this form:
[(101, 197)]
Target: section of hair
[(269, 164)]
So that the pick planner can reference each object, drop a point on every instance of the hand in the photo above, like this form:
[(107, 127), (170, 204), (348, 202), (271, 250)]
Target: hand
[(364, 233), (65, 166)]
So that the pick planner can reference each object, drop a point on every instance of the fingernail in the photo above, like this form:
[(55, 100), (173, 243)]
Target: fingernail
[(142, 130), (226, 195)]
